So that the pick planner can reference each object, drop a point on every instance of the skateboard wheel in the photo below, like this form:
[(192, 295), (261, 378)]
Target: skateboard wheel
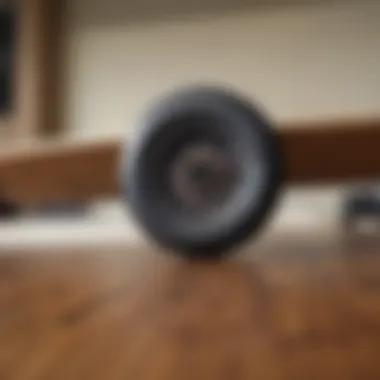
[(202, 171)]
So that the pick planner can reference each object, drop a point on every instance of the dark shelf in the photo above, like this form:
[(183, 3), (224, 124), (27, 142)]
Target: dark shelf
[(7, 42)]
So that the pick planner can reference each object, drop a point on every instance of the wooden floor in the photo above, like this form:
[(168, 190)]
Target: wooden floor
[(294, 310)]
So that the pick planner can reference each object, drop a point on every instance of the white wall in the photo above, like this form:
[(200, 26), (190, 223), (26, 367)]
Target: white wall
[(298, 61)]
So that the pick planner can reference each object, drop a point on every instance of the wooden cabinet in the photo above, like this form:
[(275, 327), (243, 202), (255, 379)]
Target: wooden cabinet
[(33, 77)]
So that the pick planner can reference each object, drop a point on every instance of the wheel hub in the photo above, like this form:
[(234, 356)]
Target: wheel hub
[(202, 176)]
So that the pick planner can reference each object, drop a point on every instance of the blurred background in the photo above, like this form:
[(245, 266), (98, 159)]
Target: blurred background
[(85, 70), (75, 76)]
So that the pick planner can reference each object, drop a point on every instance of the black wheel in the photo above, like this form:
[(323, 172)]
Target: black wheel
[(361, 204), (9, 209), (203, 171)]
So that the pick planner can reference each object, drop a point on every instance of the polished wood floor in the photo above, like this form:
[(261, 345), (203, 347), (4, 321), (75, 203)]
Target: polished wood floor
[(294, 310)]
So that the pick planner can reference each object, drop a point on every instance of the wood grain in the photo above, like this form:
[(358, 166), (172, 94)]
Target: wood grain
[(331, 151), (286, 312), (313, 153), (54, 171)]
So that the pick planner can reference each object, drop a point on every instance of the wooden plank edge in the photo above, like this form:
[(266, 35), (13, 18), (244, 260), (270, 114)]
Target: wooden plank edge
[(314, 153)]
